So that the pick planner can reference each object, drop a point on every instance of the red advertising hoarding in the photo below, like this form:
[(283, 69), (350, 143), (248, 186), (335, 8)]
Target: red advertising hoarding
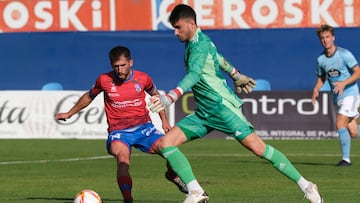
[(118, 15)]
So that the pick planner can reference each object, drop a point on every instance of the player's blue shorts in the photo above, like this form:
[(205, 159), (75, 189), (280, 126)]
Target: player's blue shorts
[(142, 137)]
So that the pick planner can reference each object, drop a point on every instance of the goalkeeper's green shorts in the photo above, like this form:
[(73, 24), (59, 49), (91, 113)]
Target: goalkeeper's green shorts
[(229, 120)]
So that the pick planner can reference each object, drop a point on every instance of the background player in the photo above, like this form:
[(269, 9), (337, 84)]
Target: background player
[(129, 123), (339, 67), (217, 108)]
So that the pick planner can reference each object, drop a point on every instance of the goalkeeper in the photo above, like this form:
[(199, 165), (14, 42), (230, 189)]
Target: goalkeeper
[(218, 108)]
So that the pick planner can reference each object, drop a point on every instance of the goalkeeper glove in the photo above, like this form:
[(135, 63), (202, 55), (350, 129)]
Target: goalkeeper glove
[(242, 82), (159, 102)]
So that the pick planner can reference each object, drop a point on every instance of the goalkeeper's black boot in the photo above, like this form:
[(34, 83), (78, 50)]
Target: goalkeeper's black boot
[(170, 176)]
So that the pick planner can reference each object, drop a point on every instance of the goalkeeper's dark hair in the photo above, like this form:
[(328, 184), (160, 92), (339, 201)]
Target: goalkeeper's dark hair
[(116, 52), (325, 28), (182, 11)]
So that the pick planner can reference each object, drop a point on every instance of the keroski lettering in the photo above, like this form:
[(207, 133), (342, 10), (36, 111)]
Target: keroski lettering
[(53, 15), (234, 14), (112, 15)]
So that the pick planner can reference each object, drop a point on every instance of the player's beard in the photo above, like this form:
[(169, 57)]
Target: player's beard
[(123, 76), (182, 38)]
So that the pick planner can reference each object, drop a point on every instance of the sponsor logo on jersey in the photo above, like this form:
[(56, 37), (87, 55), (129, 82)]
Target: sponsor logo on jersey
[(113, 91), (332, 73), (124, 104), (113, 87)]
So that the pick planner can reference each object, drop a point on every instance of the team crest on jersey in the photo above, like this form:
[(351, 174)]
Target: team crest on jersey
[(137, 87)]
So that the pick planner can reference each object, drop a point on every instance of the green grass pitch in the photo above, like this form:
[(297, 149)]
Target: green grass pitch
[(36, 171)]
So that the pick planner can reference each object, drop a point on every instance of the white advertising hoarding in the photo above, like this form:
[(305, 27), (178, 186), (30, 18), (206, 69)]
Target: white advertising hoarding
[(30, 114)]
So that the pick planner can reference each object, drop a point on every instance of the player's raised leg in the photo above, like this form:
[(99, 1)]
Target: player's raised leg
[(180, 164), (148, 142), (254, 143)]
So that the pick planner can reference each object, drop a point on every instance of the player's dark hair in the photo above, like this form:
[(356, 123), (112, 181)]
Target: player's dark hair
[(182, 11), (118, 51), (325, 28)]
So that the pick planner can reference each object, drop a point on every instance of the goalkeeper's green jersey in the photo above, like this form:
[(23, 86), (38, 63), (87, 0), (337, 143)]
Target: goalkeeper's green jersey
[(203, 76)]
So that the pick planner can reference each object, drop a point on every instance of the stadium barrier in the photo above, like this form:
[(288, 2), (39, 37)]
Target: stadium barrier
[(280, 114), (30, 114), (275, 115)]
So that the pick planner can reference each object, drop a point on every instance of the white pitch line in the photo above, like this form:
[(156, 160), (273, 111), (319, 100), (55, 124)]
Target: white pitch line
[(140, 155), (56, 160)]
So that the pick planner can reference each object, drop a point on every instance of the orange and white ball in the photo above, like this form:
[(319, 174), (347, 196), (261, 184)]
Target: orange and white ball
[(87, 196)]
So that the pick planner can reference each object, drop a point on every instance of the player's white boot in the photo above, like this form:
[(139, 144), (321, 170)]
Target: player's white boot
[(196, 197), (312, 194)]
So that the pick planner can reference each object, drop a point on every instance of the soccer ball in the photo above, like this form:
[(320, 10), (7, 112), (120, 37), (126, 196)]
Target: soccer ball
[(87, 196)]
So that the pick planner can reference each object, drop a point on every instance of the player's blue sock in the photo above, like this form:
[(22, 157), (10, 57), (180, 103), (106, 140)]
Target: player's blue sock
[(345, 142)]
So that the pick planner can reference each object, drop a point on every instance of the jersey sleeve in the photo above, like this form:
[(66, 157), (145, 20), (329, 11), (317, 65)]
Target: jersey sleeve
[(349, 59), (319, 71), (224, 64), (195, 64), (96, 88), (149, 85)]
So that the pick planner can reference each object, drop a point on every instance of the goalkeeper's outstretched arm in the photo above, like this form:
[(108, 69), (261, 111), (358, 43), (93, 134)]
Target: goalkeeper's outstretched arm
[(224, 64), (241, 82)]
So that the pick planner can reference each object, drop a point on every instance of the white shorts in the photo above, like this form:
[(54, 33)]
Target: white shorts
[(348, 106)]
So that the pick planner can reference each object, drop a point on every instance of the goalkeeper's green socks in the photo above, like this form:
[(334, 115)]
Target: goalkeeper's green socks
[(282, 164), (181, 166), (178, 163)]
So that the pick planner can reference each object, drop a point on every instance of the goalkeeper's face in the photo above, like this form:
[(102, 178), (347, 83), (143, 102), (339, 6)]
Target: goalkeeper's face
[(184, 29), (122, 67)]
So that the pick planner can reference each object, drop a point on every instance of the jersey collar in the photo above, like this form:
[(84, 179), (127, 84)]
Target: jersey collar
[(131, 76), (195, 38)]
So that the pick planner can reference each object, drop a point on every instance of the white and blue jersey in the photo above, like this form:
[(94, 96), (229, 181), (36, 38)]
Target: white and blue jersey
[(336, 68)]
